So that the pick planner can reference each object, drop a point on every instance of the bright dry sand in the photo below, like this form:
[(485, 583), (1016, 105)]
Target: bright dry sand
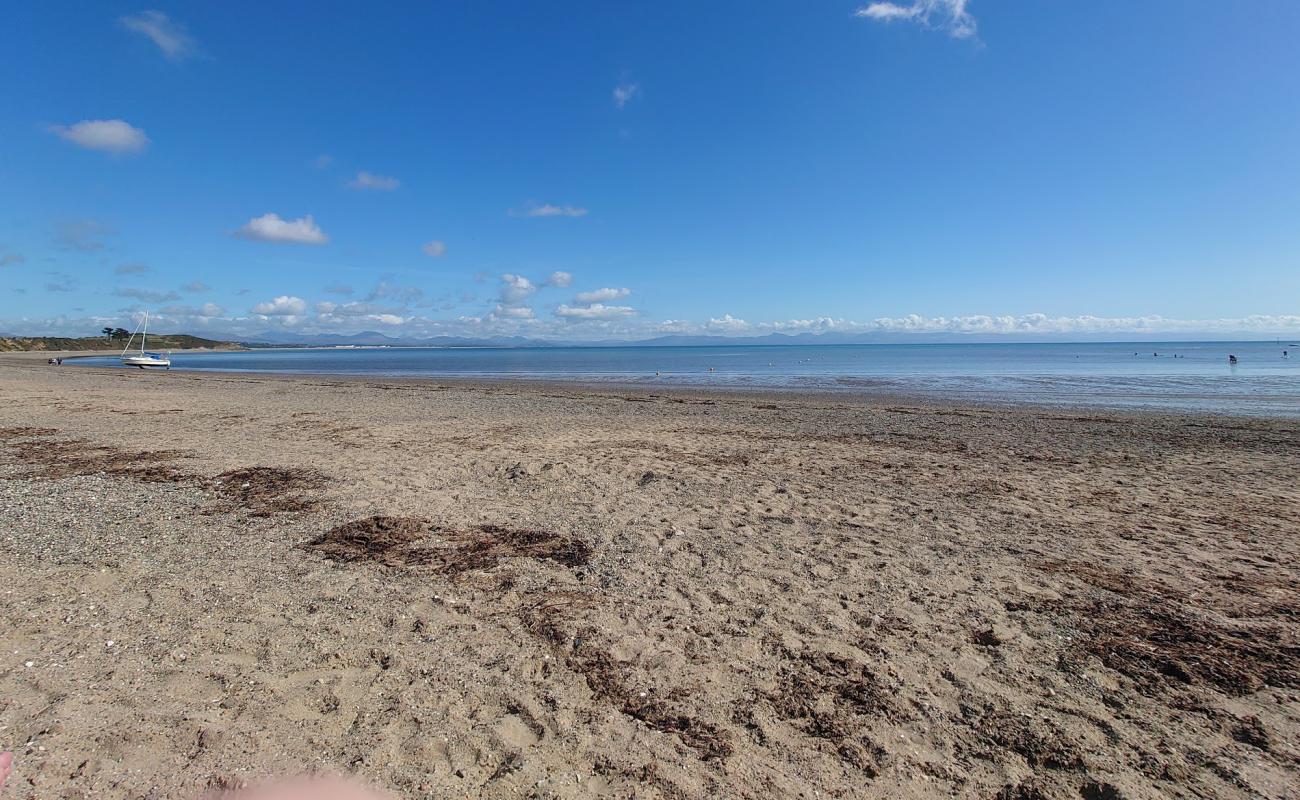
[(599, 593)]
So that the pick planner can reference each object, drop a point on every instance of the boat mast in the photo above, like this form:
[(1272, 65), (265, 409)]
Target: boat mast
[(131, 338)]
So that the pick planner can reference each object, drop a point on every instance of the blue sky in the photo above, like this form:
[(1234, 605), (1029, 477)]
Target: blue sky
[(607, 169)]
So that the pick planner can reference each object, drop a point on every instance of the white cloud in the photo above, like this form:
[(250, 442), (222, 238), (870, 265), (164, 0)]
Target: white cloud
[(948, 15), (369, 180), (322, 161), (10, 259), (294, 314), (887, 12), (559, 279), (503, 311), (109, 135), (998, 325), (282, 306), (133, 268), (727, 324), (601, 296), (146, 295), (594, 311), (549, 210), (623, 93), (338, 288), (196, 286), (349, 314), (515, 289), (271, 228), (169, 35), (435, 249)]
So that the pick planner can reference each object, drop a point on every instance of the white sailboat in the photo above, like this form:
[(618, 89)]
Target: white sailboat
[(143, 359)]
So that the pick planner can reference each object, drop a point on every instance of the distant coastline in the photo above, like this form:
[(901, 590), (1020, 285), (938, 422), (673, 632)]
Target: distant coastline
[(60, 344), (374, 339)]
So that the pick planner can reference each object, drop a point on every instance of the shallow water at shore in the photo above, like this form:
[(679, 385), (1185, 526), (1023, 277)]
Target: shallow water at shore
[(1180, 376)]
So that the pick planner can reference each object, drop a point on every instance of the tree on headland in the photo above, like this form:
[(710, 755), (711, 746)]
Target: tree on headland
[(120, 333), (108, 332)]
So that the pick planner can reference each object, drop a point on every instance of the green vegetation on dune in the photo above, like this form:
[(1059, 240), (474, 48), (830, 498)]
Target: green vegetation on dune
[(10, 344)]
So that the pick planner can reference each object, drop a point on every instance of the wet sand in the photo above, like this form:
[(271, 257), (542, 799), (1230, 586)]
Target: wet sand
[(459, 590)]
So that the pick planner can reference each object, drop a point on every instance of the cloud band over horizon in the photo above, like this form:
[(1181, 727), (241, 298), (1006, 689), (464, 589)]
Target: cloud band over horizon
[(511, 317)]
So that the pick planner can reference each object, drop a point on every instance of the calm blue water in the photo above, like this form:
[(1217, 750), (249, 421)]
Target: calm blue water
[(1111, 375)]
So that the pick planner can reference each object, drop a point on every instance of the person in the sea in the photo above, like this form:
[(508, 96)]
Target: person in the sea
[(303, 789)]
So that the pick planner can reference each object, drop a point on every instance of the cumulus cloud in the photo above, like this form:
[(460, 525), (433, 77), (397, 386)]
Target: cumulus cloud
[(86, 235), (727, 324), (132, 268), (559, 279), (623, 93), (515, 289), (948, 15), (371, 181), (594, 311), (435, 249), (358, 312), (108, 135), (196, 287), (998, 325), (294, 314), (503, 311), (548, 210), (271, 228), (282, 306), (169, 35), (601, 296), (146, 295)]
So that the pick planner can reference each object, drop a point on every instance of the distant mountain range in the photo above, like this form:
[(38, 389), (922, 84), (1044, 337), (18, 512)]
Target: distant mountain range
[(285, 339), (377, 339)]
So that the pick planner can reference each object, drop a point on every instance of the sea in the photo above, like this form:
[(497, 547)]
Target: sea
[(1175, 376)]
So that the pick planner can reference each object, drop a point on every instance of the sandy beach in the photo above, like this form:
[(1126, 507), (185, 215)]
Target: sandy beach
[(456, 590)]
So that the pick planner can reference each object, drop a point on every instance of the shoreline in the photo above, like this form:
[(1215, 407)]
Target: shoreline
[(855, 395)]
